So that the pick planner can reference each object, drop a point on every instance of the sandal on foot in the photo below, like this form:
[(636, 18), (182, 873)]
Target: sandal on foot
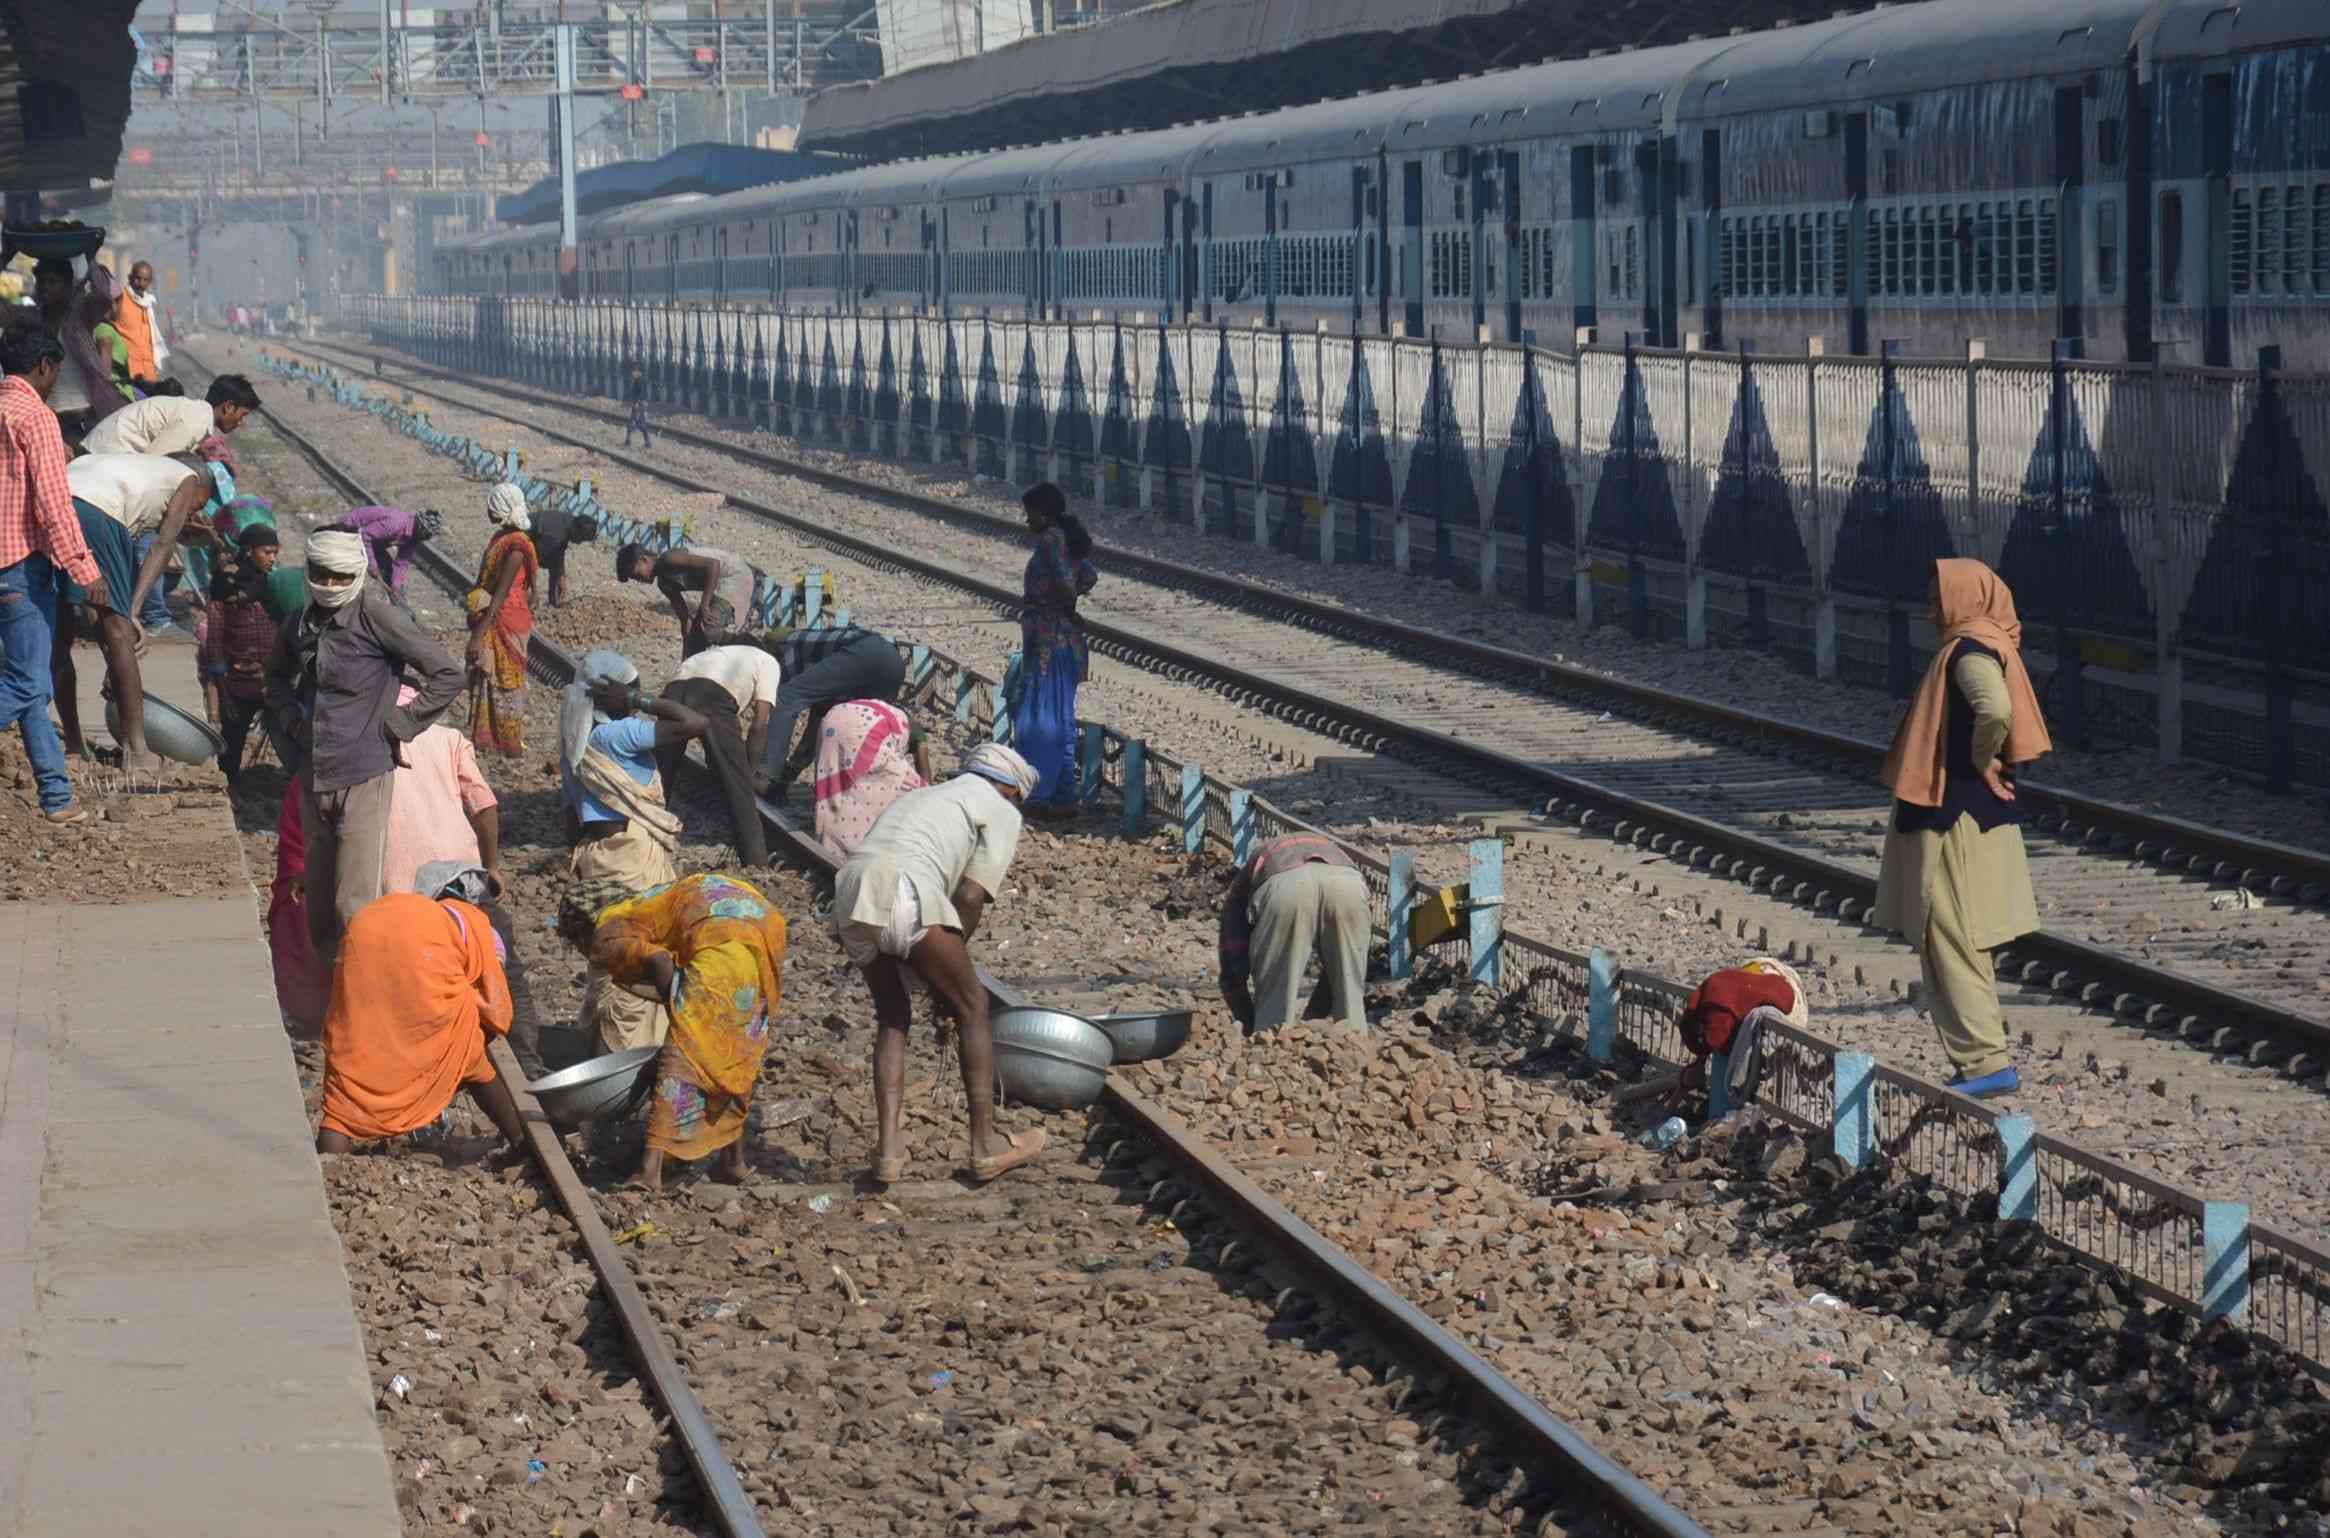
[(888, 1172), (1023, 1148)]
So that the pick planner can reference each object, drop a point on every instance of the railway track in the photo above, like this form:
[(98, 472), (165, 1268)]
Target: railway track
[(2216, 937), (1285, 1283)]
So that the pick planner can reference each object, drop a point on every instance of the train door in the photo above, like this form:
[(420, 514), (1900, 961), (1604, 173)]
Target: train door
[(1711, 239), (1192, 260), (2070, 184), (1412, 246), (926, 292), (2136, 142), (1362, 245), (1270, 250), (846, 300), (1056, 283), (1205, 287), (1175, 305), (1031, 242), (1659, 234), (1857, 226), (720, 262), (2217, 166), (1584, 258), (1379, 245), (1509, 205), (946, 247), (630, 268), (1482, 192)]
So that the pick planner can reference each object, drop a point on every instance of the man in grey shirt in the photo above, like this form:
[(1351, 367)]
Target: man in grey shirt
[(332, 682)]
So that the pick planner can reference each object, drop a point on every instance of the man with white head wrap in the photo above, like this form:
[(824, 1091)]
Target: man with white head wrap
[(332, 682), (905, 907), (609, 735)]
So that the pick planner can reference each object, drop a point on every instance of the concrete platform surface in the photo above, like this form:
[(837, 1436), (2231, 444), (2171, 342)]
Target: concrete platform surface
[(179, 1352)]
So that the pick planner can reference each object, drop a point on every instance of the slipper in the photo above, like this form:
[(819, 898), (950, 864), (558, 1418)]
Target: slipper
[(888, 1172), (1023, 1148)]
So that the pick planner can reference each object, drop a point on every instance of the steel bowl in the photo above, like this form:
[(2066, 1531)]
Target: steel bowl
[(65, 244), (1138, 1038), (1050, 1058), (603, 1086), (171, 732)]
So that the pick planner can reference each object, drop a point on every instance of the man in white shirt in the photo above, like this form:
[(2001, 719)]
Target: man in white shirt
[(119, 497), (169, 424), (905, 907), (735, 687)]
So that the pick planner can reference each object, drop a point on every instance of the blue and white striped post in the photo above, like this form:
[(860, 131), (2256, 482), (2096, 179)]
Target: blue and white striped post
[(812, 597), (1718, 1085), (1242, 829), (963, 688), (1852, 1132), (2018, 1170), (1093, 761), (1399, 909), (999, 710), (917, 666), (1601, 1006), (2225, 1260), (1192, 808), (1486, 910), (1136, 786)]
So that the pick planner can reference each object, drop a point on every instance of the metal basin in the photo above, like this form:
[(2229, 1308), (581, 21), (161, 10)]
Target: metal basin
[(1050, 1058), (171, 732), (1138, 1038), (604, 1086)]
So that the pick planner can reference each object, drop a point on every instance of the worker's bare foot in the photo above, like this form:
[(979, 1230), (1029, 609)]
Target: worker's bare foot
[(889, 1167), (141, 761), (1002, 1155), (731, 1168), (650, 1176)]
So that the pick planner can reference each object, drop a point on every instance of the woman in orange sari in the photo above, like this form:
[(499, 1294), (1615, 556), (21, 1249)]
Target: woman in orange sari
[(712, 949), (417, 993), (501, 622)]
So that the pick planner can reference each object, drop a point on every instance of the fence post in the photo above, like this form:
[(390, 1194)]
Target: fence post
[(2225, 1262), (1896, 617), (2280, 741), (1601, 1006), (2018, 1170), (1241, 825), (1487, 859), (963, 687), (2167, 659), (2070, 704), (812, 597), (1399, 907), (1852, 1135), (1718, 1085), (1192, 808), (1095, 748), (1691, 508), (1136, 786)]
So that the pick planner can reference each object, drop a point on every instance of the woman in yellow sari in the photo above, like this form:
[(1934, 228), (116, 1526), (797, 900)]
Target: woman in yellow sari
[(712, 948), (501, 622)]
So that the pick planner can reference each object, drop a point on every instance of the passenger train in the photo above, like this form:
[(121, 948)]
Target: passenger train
[(2138, 179)]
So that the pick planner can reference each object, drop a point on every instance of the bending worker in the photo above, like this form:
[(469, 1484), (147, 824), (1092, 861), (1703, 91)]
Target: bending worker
[(733, 687), (722, 586), (822, 669), (1296, 893), (1955, 879)]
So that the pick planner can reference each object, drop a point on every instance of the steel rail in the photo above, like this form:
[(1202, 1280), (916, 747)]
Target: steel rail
[(1532, 1429), (2284, 869), (2124, 985), (723, 1492)]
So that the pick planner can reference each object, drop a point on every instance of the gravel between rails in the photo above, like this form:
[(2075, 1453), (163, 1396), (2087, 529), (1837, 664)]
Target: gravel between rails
[(2217, 1125), (1684, 1328)]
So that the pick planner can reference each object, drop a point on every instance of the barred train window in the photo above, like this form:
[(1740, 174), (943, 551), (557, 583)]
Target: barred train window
[(2107, 245), (2322, 238), (2294, 241)]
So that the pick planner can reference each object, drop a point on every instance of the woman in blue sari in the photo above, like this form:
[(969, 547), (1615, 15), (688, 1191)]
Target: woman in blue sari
[(1053, 655)]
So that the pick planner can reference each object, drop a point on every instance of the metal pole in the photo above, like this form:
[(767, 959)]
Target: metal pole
[(769, 20), (384, 69), (567, 256)]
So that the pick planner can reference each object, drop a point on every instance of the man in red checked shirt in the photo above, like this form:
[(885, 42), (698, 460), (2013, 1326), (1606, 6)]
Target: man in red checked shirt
[(39, 532)]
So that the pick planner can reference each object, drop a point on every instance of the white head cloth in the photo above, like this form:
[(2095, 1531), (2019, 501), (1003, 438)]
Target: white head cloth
[(343, 554), (996, 762), (506, 505), (576, 714)]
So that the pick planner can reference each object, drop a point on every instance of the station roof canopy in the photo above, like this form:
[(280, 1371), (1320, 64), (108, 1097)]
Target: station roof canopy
[(706, 168), (1185, 60), (64, 91)]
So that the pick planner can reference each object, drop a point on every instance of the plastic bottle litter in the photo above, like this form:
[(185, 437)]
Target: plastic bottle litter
[(820, 1204), (941, 1378), (535, 1469), (1666, 1134), (1825, 1300), (400, 1385)]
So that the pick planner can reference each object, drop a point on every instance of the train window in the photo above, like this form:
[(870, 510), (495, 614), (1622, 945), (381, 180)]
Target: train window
[(1928, 252), (1775, 258), (1800, 231), (2107, 141), (1889, 174), (2026, 248), (1690, 263), (1752, 269), (1963, 239), (1633, 268), (2322, 238), (2107, 246), (2240, 238), (1985, 251), (2294, 243), (2268, 239)]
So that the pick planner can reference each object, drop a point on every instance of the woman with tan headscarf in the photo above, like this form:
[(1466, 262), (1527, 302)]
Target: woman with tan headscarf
[(1955, 880)]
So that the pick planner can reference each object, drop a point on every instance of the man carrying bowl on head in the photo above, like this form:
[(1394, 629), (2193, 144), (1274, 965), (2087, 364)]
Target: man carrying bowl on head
[(71, 310)]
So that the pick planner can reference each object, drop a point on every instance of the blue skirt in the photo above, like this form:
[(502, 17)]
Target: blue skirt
[(1043, 727)]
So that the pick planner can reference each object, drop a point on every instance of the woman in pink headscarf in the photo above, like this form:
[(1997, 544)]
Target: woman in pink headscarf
[(867, 757)]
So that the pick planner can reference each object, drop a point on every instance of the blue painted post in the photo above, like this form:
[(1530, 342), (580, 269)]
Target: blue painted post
[(1192, 808), (963, 687), (1241, 825), (1136, 786), (1399, 908), (1718, 1085), (1091, 762), (1487, 906), (812, 596), (2018, 1170), (841, 619), (1601, 1006), (1852, 1132), (999, 729), (917, 665), (510, 463), (2225, 1264)]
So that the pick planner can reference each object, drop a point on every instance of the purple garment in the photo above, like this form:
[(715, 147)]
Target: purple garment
[(388, 534), (92, 306)]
